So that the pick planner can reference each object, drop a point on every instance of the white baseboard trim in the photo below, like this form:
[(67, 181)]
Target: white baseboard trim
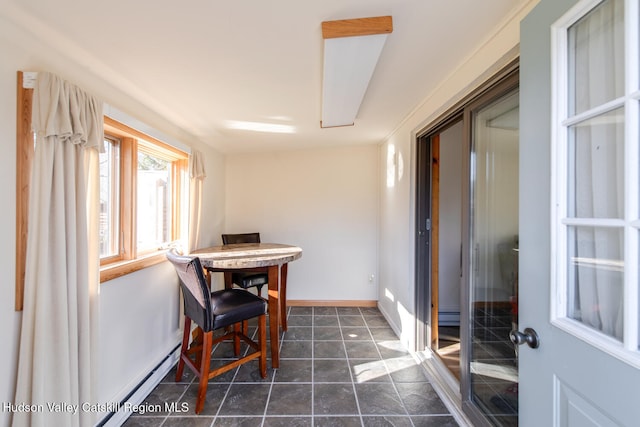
[(123, 409), (388, 318), (445, 384), (332, 303)]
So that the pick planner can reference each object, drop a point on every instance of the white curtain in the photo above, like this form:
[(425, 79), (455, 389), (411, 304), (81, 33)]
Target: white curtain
[(59, 322), (197, 175), (599, 168)]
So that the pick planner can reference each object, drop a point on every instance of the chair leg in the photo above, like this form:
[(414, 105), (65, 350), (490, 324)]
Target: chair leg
[(262, 343), (259, 290), (245, 327), (207, 340), (236, 338), (183, 349)]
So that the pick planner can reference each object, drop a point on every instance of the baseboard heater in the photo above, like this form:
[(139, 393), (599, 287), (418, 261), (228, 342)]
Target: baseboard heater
[(449, 318), (141, 391)]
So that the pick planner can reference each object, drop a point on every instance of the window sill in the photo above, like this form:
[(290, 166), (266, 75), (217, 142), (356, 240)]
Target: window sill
[(121, 268)]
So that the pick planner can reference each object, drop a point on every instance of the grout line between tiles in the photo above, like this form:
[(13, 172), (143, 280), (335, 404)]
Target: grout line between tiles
[(353, 384), (313, 373)]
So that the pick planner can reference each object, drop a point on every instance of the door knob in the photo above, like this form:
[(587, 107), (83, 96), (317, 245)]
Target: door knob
[(529, 336)]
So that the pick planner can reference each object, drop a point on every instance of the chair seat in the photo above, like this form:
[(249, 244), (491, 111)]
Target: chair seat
[(234, 305), (248, 280)]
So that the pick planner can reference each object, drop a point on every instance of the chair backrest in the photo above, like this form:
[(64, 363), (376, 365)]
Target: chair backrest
[(229, 239), (195, 291)]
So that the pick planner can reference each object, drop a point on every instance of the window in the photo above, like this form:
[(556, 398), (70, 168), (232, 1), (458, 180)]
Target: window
[(153, 190), (143, 191), (596, 175), (110, 199), (142, 194)]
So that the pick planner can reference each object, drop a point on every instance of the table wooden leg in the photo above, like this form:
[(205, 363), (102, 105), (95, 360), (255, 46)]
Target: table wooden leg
[(274, 314), (228, 282), (283, 296)]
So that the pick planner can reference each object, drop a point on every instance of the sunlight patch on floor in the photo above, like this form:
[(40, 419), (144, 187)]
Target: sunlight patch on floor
[(369, 371), (507, 373)]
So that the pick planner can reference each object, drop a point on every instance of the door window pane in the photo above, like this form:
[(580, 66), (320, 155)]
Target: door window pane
[(596, 278), (596, 157), (154, 202), (596, 59)]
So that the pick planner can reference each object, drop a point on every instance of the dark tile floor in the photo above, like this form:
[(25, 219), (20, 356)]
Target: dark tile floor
[(340, 366)]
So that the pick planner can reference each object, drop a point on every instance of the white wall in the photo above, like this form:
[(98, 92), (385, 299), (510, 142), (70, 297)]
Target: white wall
[(138, 312), (397, 197), (326, 202), (138, 328)]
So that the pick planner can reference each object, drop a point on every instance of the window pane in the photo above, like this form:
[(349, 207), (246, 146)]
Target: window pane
[(596, 44), (109, 198), (596, 278), (154, 202), (596, 169)]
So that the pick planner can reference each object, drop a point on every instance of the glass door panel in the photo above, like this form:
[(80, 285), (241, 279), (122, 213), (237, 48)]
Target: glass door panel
[(596, 278), (596, 167), (494, 262), (596, 64)]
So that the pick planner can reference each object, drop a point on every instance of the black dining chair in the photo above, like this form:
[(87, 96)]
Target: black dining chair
[(212, 311), (246, 279)]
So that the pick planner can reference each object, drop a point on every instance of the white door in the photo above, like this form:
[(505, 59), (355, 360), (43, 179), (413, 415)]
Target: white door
[(579, 214)]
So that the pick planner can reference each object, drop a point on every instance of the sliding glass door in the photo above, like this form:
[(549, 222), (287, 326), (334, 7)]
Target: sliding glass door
[(492, 383), (467, 249)]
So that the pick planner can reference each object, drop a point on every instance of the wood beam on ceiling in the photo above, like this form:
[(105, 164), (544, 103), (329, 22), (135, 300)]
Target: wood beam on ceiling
[(357, 27)]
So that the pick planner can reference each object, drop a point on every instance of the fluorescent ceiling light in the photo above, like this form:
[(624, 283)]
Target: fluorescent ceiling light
[(260, 127), (351, 51)]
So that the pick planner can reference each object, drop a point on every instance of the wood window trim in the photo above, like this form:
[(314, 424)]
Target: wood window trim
[(177, 175), (120, 268), (132, 140), (158, 146), (24, 159)]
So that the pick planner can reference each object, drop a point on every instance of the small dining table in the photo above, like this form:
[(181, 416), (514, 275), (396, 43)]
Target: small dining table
[(258, 257)]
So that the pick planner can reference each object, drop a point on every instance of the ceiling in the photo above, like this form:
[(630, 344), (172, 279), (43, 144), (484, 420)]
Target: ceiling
[(205, 65)]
